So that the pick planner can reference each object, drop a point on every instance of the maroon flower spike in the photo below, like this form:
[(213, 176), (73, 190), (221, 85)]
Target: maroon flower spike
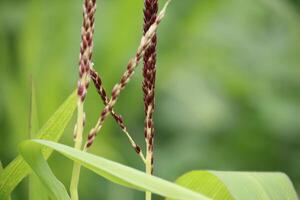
[(125, 78), (86, 46), (85, 56), (149, 73)]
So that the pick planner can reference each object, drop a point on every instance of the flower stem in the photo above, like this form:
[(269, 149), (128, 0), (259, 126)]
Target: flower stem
[(118, 118), (78, 144), (85, 57), (148, 171)]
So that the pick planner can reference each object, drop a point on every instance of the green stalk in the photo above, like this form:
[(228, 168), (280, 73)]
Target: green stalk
[(78, 144), (85, 63), (148, 171)]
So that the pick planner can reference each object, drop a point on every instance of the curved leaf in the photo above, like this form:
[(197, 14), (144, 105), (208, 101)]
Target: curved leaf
[(240, 185), (36, 191), (42, 169), (52, 130), (120, 174), (1, 170)]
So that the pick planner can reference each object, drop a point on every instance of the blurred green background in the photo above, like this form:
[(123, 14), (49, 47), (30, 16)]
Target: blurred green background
[(228, 84)]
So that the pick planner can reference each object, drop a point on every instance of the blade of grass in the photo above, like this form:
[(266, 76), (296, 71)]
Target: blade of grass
[(115, 172), (40, 166), (240, 185), (52, 130), (33, 124), (36, 190), (1, 170)]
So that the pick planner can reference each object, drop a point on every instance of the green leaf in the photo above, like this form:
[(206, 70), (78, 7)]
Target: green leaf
[(52, 130), (36, 190), (41, 168), (240, 185), (115, 172), (1, 170), (33, 124)]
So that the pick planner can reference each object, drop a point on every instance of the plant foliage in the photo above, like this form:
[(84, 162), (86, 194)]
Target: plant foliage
[(14, 173), (115, 172), (220, 185)]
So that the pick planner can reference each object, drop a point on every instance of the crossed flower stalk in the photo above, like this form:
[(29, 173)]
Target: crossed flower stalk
[(147, 51)]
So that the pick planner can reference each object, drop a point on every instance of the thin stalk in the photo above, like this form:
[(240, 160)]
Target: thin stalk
[(133, 63), (118, 118), (77, 145), (85, 56)]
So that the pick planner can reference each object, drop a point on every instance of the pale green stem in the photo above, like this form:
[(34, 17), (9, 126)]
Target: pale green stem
[(78, 143), (148, 171), (148, 195)]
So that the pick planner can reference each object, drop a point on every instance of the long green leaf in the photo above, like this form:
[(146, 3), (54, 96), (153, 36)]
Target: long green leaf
[(36, 190), (1, 170), (31, 151), (33, 124), (39, 165), (52, 130), (240, 185)]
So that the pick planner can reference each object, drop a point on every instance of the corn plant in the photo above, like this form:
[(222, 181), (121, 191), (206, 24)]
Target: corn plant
[(194, 185)]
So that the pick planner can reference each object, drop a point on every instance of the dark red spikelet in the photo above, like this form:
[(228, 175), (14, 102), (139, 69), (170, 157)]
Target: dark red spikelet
[(149, 73)]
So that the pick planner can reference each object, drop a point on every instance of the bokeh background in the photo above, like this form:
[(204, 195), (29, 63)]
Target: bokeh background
[(228, 84)]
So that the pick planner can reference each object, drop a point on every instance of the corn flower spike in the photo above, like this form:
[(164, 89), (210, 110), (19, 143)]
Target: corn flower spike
[(85, 56), (118, 118), (145, 42), (149, 74)]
